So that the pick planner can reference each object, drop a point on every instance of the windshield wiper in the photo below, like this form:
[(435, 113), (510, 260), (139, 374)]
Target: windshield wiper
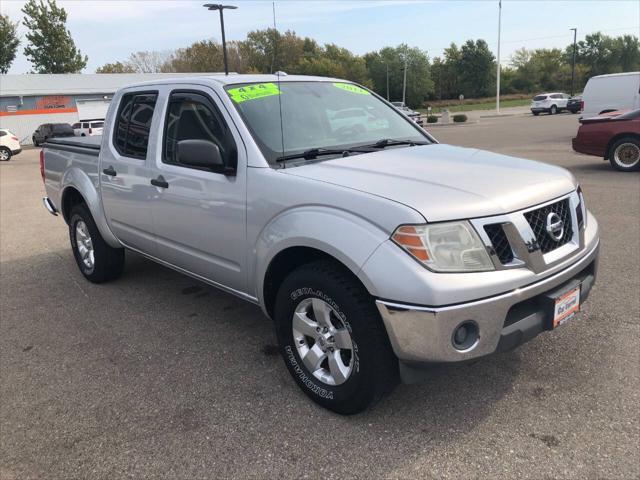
[(390, 142), (317, 152)]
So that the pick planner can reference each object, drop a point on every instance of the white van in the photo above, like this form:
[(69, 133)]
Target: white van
[(606, 93), (88, 128)]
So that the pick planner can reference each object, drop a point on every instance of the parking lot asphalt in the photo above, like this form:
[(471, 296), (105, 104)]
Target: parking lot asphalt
[(159, 376)]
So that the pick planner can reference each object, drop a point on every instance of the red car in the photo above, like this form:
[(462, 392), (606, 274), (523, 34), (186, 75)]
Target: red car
[(614, 136)]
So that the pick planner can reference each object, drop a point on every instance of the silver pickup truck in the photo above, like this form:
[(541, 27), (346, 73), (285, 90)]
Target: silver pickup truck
[(375, 250)]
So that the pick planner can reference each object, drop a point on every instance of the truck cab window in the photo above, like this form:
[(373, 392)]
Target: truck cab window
[(133, 122), (193, 117)]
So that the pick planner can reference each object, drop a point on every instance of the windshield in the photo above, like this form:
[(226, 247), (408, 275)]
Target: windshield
[(316, 115)]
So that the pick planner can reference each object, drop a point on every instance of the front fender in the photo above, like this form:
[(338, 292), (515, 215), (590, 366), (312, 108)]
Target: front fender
[(76, 178), (346, 237)]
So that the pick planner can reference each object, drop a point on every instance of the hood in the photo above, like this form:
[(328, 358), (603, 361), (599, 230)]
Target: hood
[(443, 182)]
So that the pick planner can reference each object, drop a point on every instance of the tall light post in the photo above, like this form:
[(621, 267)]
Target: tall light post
[(387, 82), (573, 63), (498, 66), (404, 82), (220, 8)]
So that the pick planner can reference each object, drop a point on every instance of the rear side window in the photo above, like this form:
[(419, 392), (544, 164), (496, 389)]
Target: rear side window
[(133, 122), (76, 125), (538, 98), (97, 125), (2, 133)]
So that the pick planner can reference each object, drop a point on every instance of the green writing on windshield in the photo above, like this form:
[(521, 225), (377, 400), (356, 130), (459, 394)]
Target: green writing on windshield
[(351, 88), (253, 92)]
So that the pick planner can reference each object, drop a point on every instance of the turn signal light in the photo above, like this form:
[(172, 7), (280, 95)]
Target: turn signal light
[(412, 241)]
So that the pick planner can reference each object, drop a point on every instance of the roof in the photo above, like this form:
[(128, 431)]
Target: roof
[(241, 78), (81, 83), (97, 83), (616, 74)]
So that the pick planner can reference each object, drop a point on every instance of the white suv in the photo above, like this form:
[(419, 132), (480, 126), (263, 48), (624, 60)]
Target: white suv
[(549, 102), (88, 128), (9, 145)]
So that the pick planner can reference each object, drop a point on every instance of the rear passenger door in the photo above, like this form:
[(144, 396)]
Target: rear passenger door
[(200, 215), (125, 170)]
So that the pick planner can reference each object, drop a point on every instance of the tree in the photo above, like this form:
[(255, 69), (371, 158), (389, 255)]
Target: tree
[(476, 69), (9, 41), (50, 47), (116, 67), (419, 83)]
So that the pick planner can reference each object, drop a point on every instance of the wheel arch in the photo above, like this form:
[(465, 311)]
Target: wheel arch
[(615, 138), (308, 234), (77, 187)]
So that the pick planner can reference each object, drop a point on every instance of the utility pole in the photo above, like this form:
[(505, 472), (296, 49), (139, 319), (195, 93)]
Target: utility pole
[(498, 66), (573, 63), (387, 82), (220, 8), (404, 83)]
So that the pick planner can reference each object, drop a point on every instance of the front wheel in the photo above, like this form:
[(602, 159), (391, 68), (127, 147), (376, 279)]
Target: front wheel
[(98, 261), (5, 154), (332, 338), (625, 154)]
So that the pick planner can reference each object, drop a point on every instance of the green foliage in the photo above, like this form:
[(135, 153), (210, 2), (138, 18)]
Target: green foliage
[(116, 67), (432, 119), (9, 41), (50, 47), (459, 118), (419, 83)]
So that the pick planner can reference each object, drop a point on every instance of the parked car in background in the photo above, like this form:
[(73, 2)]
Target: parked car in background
[(51, 130), (376, 253), (88, 128), (613, 136), (608, 93), (9, 145), (412, 114), (551, 103), (574, 105), (358, 120)]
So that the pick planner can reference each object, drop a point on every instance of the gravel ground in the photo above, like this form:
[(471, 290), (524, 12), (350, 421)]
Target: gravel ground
[(158, 376)]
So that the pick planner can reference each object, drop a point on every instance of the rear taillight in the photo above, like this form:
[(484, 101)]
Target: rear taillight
[(42, 165), (582, 105), (15, 138)]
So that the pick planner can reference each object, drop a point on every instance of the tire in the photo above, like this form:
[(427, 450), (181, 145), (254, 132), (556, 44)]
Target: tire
[(361, 344), (5, 154), (103, 262), (536, 113), (624, 154), (553, 110)]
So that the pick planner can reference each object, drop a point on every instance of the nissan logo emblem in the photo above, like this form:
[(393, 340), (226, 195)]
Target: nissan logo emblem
[(555, 226)]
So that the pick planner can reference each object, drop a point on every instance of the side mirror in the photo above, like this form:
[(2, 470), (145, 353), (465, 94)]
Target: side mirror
[(202, 154)]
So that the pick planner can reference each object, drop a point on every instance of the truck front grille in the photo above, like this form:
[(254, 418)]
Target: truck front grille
[(538, 221), (500, 243)]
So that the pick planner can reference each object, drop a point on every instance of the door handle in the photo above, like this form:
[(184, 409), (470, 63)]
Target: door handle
[(159, 182), (110, 171)]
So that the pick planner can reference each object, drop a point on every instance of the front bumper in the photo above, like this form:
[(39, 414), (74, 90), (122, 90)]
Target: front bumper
[(421, 335)]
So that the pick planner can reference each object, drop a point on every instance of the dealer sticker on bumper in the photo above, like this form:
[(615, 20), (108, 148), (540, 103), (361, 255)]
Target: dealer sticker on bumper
[(566, 306)]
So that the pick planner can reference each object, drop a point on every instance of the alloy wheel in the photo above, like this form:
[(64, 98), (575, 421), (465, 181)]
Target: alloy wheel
[(85, 245), (323, 341)]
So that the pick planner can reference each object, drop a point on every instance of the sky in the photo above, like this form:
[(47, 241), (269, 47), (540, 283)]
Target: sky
[(109, 30)]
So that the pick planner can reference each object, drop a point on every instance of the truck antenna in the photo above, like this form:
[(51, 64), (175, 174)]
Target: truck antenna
[(275, 53)]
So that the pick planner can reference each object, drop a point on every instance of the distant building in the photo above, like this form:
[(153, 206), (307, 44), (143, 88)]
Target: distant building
[(27, 101)]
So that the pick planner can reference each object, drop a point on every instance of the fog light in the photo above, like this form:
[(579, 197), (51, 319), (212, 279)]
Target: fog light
[(465, 336)]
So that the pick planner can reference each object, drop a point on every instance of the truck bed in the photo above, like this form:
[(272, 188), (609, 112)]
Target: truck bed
[(88, 145)]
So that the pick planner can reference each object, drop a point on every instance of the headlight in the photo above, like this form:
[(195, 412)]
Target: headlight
[(581, 211), (444, 247)]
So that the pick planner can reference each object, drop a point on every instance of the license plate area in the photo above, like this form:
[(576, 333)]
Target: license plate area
[(562, 305)]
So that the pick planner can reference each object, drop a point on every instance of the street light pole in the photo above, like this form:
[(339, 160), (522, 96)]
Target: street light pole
[(573, 63), (387, 82), (404, 82), (220, 8), (498, 65)]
